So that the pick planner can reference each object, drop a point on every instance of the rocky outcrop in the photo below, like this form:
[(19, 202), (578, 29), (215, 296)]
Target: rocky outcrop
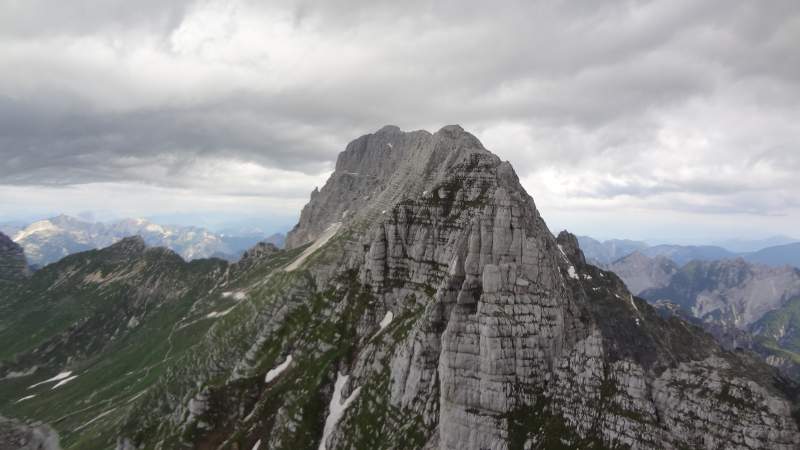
[(15, 435), (13, 265), (260, 250)]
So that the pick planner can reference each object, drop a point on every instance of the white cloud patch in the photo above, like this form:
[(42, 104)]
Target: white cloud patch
[(670, 107)]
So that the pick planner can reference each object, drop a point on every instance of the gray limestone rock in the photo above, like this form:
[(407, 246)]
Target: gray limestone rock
[(16, 435)]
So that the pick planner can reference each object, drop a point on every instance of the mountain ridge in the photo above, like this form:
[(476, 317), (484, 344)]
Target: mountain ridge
[(437, 312), (46, 241), (609, 251)]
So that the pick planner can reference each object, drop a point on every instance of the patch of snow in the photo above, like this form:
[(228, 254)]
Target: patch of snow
[(215, 314), (571, 272), (587, 277), (252, 413), (257, 445), (637, 322), (153, 228), (273, 373), (21, 374), (387, 319), (99, 416), (238, 295), (130, 400), (27, 397), (63, 382), (633, 303), (383, 212), (336, 408), (561, 249), (389, 144), (58, 377), (321, 240)]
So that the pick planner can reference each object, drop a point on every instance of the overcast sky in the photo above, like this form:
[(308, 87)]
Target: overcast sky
[(675, 119)]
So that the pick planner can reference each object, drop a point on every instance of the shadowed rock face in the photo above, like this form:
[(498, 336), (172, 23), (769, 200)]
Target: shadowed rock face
[(15, 435), (13, 265), (500, 336)]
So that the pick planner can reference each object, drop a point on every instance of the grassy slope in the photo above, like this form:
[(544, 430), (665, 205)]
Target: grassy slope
[(171, 298)]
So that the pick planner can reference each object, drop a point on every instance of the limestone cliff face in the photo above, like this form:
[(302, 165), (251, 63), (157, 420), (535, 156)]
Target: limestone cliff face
[(520, 343), (13, 265)]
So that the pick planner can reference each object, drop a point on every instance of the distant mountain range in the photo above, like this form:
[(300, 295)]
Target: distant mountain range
[(781, 254), (607, 252), (746, 246), (743, 304), (49, 240)]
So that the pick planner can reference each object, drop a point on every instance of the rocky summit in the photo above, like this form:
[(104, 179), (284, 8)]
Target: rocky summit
[(421, 303)]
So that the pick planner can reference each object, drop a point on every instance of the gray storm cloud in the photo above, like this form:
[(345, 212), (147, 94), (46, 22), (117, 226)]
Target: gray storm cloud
[(664, 105)]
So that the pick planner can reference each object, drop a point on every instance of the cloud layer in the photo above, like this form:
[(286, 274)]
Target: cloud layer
[(661, 109)]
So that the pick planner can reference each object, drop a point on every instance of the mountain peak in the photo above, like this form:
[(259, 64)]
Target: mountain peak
[(389, 129), (131, 245), (377, 171), (568, 243)]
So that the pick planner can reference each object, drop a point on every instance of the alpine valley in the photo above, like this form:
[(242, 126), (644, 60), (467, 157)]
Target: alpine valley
[(744, 305), (421, 302)]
